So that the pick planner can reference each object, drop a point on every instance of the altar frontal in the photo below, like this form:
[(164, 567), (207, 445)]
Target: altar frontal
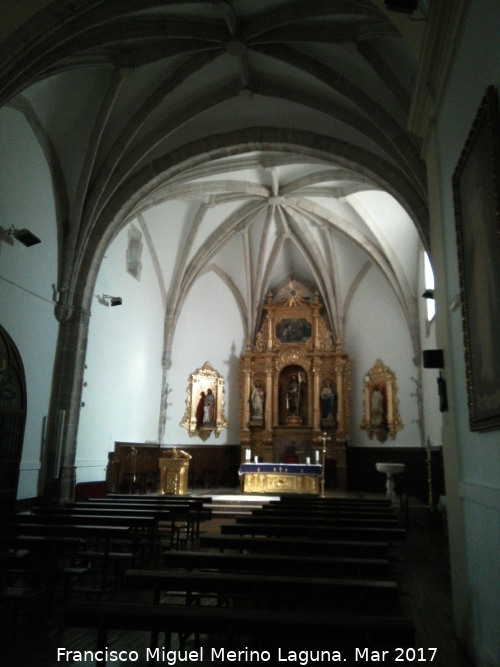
[(280, 478)]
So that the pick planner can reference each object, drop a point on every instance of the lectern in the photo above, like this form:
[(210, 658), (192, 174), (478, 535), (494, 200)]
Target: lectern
[(174, 470)]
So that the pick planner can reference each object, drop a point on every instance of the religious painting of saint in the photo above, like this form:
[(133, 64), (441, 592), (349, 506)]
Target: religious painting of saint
[(476, 189), (293, 330)]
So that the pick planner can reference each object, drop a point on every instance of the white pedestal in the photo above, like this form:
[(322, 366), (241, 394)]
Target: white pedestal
[(390, 469)]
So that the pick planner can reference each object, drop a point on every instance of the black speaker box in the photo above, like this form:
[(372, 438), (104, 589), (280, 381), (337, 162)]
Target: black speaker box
[(405, 6), (433, 358)]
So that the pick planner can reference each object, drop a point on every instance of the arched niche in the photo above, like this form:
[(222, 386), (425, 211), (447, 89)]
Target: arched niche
[(293, 398)]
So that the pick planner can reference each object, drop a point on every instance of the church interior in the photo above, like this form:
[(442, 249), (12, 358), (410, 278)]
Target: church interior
[(248, 259)]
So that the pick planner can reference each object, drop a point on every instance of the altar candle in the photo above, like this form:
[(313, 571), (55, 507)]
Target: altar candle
[(316, 454), (255, 459), (248, 454), (308, 460)]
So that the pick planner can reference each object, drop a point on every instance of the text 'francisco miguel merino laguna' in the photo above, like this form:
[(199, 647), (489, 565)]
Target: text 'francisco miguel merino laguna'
[(172, 657)]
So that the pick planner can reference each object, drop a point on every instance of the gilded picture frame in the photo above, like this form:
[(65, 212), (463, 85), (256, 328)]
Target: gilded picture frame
[(204, 403), (476, 191), (381, 404)]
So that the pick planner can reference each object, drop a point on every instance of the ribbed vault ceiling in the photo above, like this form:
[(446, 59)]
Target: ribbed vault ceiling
[(261, 140)]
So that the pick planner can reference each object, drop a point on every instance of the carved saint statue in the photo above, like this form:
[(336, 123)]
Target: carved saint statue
[(377, 408), (257, 401), (209, 408), (328, 398), (293, 395)]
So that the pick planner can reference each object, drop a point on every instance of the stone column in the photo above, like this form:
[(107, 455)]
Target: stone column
[(65, 402)]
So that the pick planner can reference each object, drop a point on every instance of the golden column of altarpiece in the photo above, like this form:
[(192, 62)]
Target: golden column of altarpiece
[(294, 385)]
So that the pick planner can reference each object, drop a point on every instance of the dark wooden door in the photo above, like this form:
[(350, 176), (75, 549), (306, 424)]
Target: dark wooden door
[(12, 420)]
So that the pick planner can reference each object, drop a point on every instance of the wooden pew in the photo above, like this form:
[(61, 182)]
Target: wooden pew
[(141, 502), (313, 531), (290, 545), (166, 498), (157, 518), (340, 512), (138, 525), (40, 543), (267, 629), (33, 552), (102, 536), (34, 564), (86, 531), (313, 520), (191, 511), (332, 566), (335, 501), (265, 591), (201, 504), (172, 497)]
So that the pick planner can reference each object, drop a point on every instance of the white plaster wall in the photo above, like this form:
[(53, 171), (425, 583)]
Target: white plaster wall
[(26, 276), (209, 329), (123, 372), (376, 329), (475, 67)]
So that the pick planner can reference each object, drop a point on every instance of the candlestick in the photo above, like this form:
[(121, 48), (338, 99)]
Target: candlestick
[(324, 439)]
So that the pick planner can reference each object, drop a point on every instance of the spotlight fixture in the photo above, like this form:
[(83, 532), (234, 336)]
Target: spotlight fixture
[(428, 294), (107, 300), (112, 300), (24, 236)]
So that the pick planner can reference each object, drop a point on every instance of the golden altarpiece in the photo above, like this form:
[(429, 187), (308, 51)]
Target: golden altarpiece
[(294, 388)]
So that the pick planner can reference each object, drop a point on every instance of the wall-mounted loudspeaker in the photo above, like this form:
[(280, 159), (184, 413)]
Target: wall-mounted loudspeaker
[(433, 358), (405, 6)]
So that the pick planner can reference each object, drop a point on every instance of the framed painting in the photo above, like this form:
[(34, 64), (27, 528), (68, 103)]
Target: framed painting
[(205, 403), (296, 330), (476, 191)]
